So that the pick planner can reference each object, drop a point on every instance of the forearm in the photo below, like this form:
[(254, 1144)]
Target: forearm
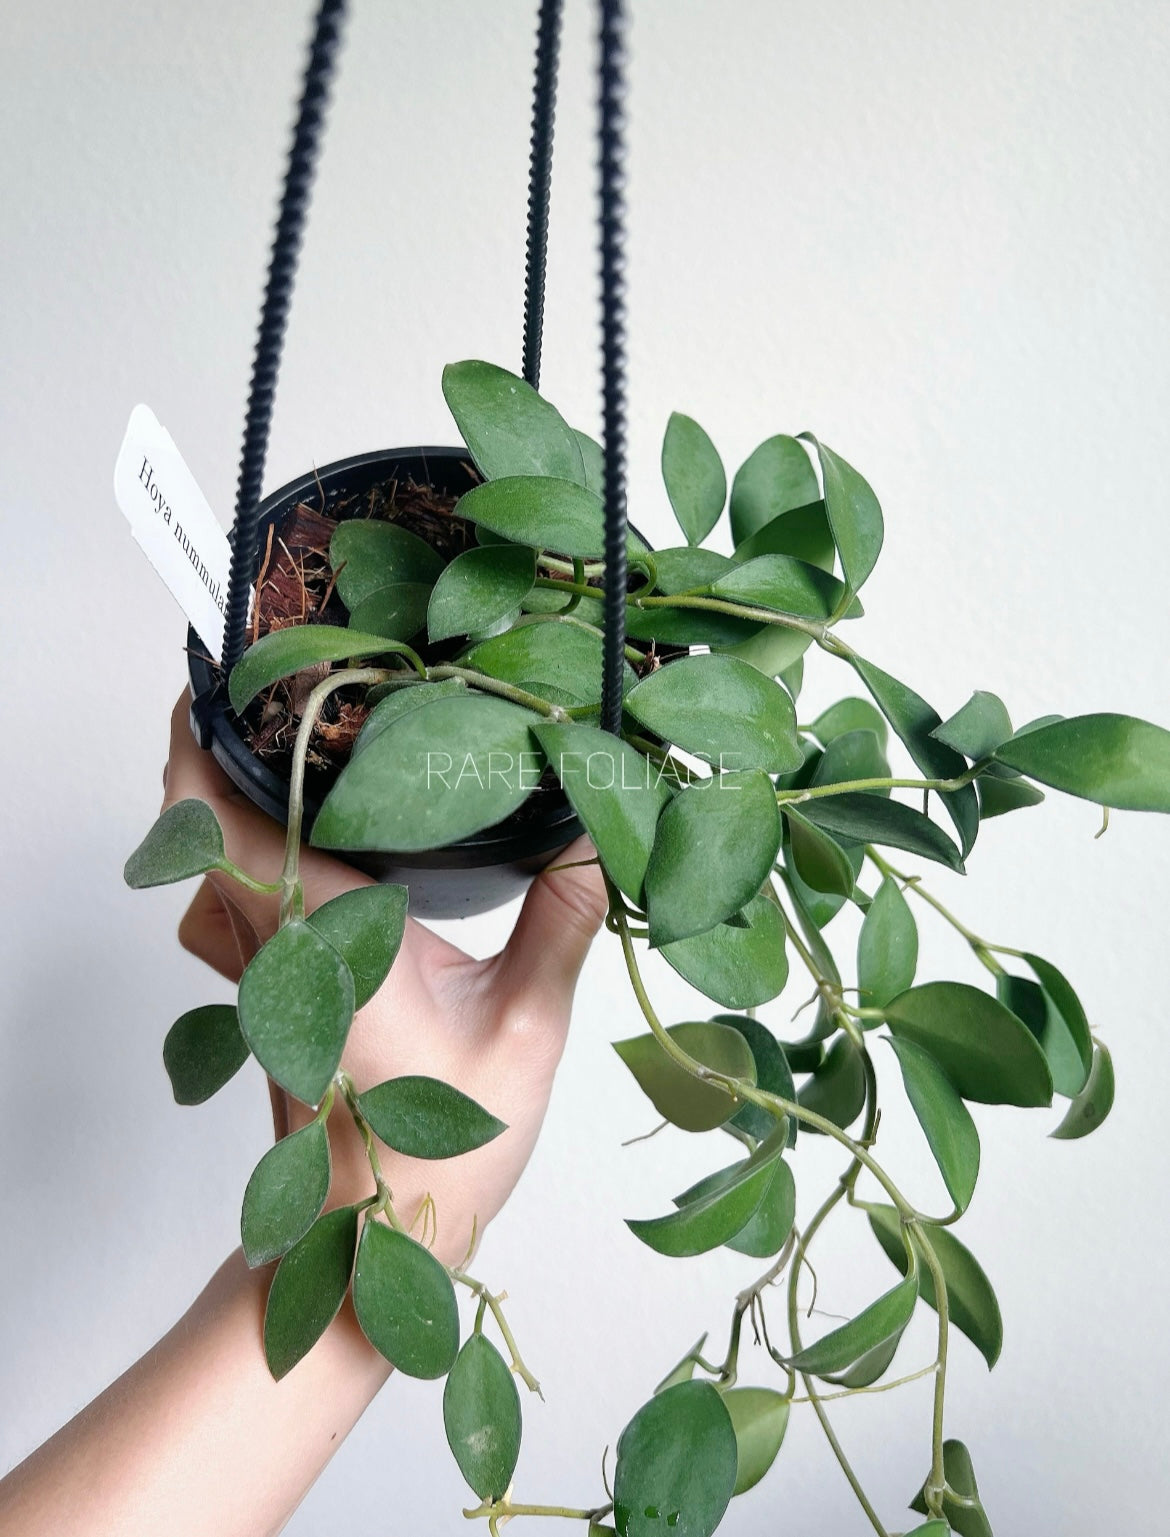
[(197, 1437)]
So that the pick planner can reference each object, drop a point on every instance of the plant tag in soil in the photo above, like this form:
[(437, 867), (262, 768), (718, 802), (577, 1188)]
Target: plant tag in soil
[(173, 524)]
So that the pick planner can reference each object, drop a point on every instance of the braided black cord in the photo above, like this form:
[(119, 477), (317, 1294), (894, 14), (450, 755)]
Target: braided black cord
[(544, 110), (613, 353), (282, 267)]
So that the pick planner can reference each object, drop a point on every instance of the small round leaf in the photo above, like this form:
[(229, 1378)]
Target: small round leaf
[(676, 1465), (186, 840), (203, 1049)]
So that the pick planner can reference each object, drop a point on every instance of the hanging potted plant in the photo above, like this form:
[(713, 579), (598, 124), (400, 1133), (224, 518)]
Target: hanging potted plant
[(459, 656)]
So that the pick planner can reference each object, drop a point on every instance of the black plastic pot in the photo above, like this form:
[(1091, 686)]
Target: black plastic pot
[(471, 876)]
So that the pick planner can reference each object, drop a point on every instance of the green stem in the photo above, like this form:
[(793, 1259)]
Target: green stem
[(481, 681), (813, 627), (384, 1197), (478, 1289), (981, 947), (264, 888), (846, 787)]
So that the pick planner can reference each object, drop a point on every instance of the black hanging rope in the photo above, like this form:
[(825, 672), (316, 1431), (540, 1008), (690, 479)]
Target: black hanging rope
[(282, 266), (544, 108), (611, 134)]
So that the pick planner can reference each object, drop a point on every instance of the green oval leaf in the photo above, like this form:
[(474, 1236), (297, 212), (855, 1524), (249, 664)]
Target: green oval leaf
[(851, 756), (296, 1006), (508, 428), (546, 513), (1115, 760), (405, 1302), (593, 458), (737, 967), (849, 715), (676, 1465), (944, 1118), (773, 1075), (1061, 1044), (434, 776), (836, 1089), (715, 1211), (971, 1301), (186, 840), (202, 1051), (365, 926), (401, 699), (478, 588), (689, 627), (722, 710), (870, 1367), (684, 568), (860, 817), (777, 478), (887, 947), (785, 584), (685, 1101), (914, 720), (617, 793), (1091, 1106), (285, 1194), (985, 1050), (426, 1118), (281, 653), (695, 480), (714, 848), (398, 610), (817, 858), (557, 658), (880, 1321), (968, 1519), (759, 1417), (999, 796), (481, 1415), (308, 1289), (369, 555), (853, 512), (803, 533), (766, 1229), (982, 725)]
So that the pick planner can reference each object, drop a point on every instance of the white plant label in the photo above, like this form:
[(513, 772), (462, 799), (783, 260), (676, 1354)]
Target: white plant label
[(174, 525)]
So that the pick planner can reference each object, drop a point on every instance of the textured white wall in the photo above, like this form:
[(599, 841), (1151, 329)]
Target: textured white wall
[(934, 233)]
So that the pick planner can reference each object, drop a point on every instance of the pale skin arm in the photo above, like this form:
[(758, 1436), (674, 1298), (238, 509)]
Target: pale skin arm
[(196, 1437)]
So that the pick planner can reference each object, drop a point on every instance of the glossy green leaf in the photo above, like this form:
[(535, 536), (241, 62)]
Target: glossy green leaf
[(281, 653), (787, 585), (391, 702), (944, 1119), (767, 1228), (858, 816), (853, 512), (793, 678), (870, 1367), (999, 796), (695, 480), (737, 967), (365, 926), (481, 1415), (849, 715), (1114, 760), (759, 1417), (971, 1301), (771, 649), (840, 1348), (676, 1465), (931, 1529), (308, 1289), (296, 1006), (405, 1302), (778, 477), (617, 793), (688, 1102), (720, 709), (711, 1216), (285, 1194), (773, 1075), (202, 1050), (186, 840), (509, 428), (384, 576), (803, 533), (1066, 1043), (685, 1369), (593, 458), (433, 777), (397, 610), (1091, 1106), (815, 855), (914, 720), (836, 1089), (688, 627), (478, 588), (851, 756), (985, 1050), (684, 568), (714, 848), (548, 514), (887, 947), (426, 1118), (968, 1519), (558, 655), (982, 725)]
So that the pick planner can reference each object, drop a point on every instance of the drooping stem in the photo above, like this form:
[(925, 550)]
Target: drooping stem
[(983, 950), (495, 1304), (486, 685)]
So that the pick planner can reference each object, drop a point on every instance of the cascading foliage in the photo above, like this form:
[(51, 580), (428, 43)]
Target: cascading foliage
[(730, 835)]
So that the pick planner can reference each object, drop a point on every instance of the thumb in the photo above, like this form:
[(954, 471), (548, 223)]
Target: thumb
[(561, 915)]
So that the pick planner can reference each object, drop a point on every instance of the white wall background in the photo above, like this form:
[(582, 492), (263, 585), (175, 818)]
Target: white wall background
[(937, 235)]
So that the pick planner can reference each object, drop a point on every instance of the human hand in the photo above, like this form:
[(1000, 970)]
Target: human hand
[(494, 1029)]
